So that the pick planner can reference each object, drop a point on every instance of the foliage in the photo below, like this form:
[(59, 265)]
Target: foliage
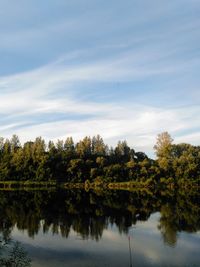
[(91, 159), (12, 254)]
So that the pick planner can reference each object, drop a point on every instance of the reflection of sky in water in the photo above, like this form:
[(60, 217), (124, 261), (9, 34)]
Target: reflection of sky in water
[(148, 248)]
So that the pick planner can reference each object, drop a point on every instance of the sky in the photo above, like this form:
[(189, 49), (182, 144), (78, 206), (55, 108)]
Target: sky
[(127, 70)]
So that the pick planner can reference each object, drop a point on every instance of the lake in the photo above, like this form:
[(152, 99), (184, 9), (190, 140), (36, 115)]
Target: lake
[(68, 228)]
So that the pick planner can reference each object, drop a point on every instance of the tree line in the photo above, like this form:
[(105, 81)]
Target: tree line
[(92, 160)]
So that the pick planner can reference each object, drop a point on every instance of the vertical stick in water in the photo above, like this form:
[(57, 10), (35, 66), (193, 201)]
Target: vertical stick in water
[(130, 254)]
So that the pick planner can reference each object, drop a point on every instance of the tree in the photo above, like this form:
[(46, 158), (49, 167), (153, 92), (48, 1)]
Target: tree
[(122, 152), (163, 149), (163, 144), (1, 144), (15, 143), (51, 147), (69, 146), (98, 146), (39, 148), (60, 145), (83, 148)]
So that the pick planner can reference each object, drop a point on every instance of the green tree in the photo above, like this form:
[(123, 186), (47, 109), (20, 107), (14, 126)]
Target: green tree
[(98, 146), (84, 147), (15, 143), (69, 146), (163, 150)]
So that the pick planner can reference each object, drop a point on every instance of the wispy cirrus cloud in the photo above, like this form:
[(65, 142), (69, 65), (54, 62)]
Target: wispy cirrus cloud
[(31, 106), (123, 71)]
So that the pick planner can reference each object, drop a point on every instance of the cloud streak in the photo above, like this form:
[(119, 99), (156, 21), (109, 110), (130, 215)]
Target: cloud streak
[(30, 107), (123, 71)]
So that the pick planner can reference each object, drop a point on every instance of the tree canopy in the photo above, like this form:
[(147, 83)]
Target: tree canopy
[(91, 159)]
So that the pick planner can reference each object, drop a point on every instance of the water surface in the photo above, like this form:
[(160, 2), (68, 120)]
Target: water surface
[(115, 228)]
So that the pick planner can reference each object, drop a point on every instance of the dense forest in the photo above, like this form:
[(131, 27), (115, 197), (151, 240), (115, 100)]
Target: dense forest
[(93, 161)]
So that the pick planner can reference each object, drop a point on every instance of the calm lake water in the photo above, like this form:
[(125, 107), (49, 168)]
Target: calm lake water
[(83, 229)]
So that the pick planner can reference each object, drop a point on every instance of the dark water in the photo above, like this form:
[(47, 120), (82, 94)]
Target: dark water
[(114, 228)]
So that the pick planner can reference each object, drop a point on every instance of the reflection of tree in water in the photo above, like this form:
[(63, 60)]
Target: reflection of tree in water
[(168, 226), (12, 254), (89, 213), (181, 214)]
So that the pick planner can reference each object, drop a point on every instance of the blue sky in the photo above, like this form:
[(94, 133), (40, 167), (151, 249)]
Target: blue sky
[(123, 69)]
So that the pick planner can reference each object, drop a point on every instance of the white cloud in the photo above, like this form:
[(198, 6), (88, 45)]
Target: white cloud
[(27, 96)]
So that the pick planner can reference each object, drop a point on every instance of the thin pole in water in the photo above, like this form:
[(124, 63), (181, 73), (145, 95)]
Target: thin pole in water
[(130, 254)]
